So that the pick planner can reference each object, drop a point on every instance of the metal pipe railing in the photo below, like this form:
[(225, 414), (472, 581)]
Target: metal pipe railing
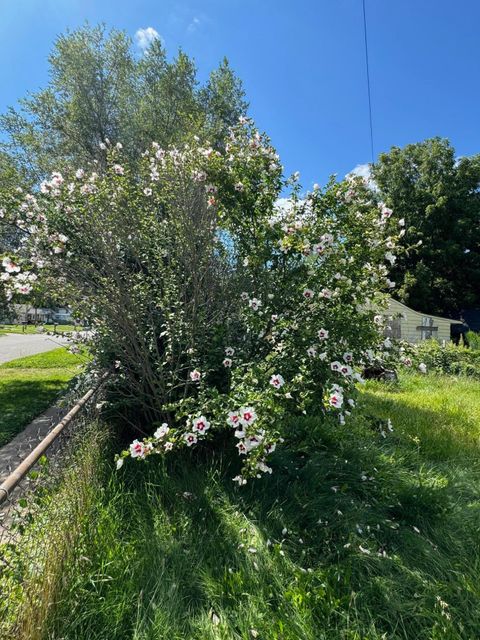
[(17, 475)]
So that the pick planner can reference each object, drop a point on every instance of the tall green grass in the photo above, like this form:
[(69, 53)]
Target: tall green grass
[(30, 385), (358, 537)]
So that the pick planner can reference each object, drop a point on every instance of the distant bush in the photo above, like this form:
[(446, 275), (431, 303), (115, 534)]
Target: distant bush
[(448, 359), (473, 340)]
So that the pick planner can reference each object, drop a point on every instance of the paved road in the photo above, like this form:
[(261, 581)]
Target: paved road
[(14, 345)]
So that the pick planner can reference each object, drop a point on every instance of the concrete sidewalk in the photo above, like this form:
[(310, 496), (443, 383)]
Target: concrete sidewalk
[(18, 449)]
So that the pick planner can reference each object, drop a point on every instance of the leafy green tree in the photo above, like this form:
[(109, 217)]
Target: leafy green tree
[(438, 196), (100, 89)]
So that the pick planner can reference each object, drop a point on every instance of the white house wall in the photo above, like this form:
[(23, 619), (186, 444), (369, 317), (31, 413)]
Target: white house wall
[(410, 320)]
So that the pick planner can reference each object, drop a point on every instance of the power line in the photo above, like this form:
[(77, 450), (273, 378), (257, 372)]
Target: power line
[(368, 79)]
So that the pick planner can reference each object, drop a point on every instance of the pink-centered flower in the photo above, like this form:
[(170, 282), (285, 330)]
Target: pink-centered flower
[(233, 418), (335, 400), (227, 362), (200, 425), (255, 304), (277, 381), (247, 416), (308, 294), (137, 449), (190, 438), (195, 375), (323, 334)]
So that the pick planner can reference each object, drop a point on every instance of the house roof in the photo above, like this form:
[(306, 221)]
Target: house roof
[(430, 315)]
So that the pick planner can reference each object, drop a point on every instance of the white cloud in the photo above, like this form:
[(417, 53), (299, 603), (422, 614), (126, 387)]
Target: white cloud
[(145, 37), (365, 172), (194, 24), (362, 170)]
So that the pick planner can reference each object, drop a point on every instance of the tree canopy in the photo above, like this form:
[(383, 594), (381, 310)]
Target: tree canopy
[(100, 89), (438, 195)]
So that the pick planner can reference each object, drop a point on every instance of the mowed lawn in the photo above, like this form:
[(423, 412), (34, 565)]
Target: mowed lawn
[(30, 385), (30, 328), (357, 534)]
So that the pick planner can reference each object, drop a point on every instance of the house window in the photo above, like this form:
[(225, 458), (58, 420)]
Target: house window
[(393, 328), (427, 330)]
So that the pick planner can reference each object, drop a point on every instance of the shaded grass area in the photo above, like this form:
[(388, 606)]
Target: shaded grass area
[(359, 537), (30, 385)]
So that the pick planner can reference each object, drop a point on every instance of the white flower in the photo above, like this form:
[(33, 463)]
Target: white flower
[(401, 222), (247, 416), (227, 362), (422, 367), (240, 480), (239, 433), (239, 186), (229, 351), (261, 466), (335, 400), (335, 365), (323, 334), (347, 356), (325, 293), (386, 212), (195, 375), (190, 438), (79, 174), (162, 431), (200, 425), (346, 370), (242, 448), (308, 293), (233, 418), (252, 442), (137, 449), (147, 191), (311, 352), (118, 169), (119, 464), (390, 257), (277, 381), (255, 304)]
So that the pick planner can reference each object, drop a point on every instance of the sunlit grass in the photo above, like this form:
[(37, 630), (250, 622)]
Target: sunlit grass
[(30, 328), (358, 537), (30, 385)]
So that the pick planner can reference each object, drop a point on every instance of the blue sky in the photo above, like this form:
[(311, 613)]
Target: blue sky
[(302, 64)]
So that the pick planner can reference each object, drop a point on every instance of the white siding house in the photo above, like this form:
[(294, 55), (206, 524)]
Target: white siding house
[(406, 324)]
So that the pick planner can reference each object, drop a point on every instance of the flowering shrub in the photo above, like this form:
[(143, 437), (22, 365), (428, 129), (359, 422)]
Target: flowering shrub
[(223, 308)]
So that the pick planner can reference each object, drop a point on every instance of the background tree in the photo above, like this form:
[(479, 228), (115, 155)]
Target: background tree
[(100, 89), (438, 196)]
